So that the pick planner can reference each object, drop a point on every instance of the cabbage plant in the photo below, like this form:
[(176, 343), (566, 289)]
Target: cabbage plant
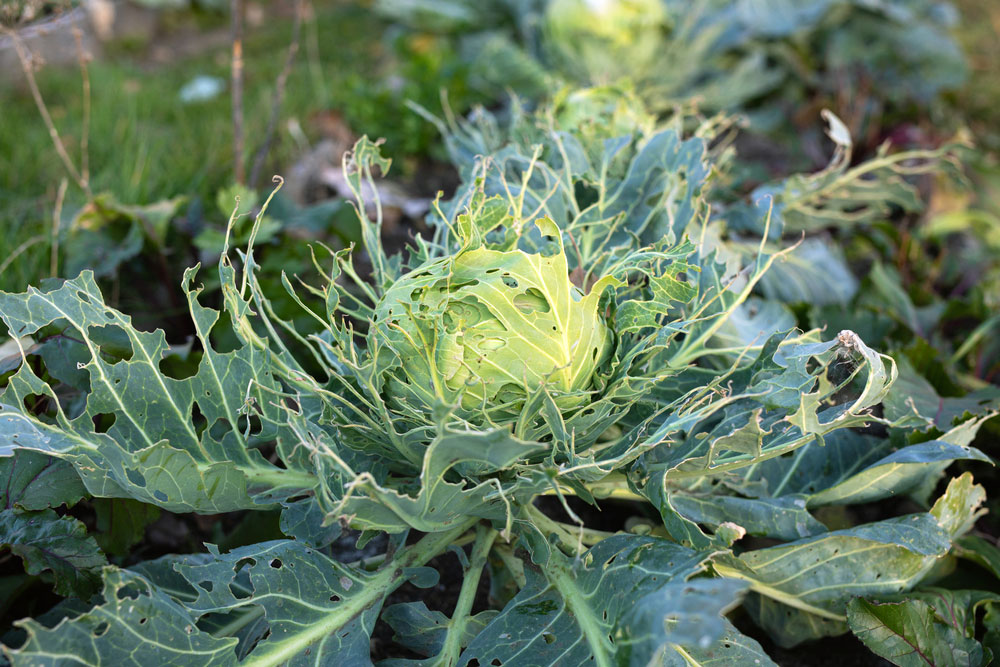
[(559, 342)]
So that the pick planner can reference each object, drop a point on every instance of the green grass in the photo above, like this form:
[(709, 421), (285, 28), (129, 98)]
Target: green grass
[(145, 145), (980, 101)]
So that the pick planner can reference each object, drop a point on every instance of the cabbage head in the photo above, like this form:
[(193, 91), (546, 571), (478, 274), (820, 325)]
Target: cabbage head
[(602, 41), (485, 329)]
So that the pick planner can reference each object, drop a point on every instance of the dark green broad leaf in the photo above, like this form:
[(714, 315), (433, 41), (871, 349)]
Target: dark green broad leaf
[(584, 610), (814, 272), (303, 519), (927, 631), (815, 466), (181, 443), (979, 551), (106, 233), (49, 544), (802, 588), (137, 624), (121, 523), (33, 481)]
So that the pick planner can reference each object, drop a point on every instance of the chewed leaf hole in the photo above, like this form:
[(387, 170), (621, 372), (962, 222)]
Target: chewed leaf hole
[(532, 301), (207, 585), (489, 344), (103, 422), (509, 281), (239, 592), (276, 563), (460, 284), (35, 403), (222, 336), (548, 637), (244, 562), (173, 366), (113, 341), (135, 477), (101, 629)]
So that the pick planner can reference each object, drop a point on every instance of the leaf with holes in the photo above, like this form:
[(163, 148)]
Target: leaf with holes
[(182, 444), (576, 611), (801, 589), (135, 624)]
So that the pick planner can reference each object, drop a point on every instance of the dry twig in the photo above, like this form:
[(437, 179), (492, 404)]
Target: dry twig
[(236, 9), (83, 59), (25, 58), (279, 94)]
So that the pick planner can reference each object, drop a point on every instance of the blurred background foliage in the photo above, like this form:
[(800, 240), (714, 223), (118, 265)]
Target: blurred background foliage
[(154, 132)]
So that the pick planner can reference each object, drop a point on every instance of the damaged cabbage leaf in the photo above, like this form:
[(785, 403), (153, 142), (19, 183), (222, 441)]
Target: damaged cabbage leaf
[(184, 444)]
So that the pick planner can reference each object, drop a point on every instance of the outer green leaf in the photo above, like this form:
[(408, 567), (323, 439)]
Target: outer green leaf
[(980, 551), (817, 576), (47, 542), (915, 397), (658, 624), (154, 451), (439, 503), (896, 474), (842, 195), (317, 610), (122, 523), (814, 272), (817, 465), (424, 631)]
